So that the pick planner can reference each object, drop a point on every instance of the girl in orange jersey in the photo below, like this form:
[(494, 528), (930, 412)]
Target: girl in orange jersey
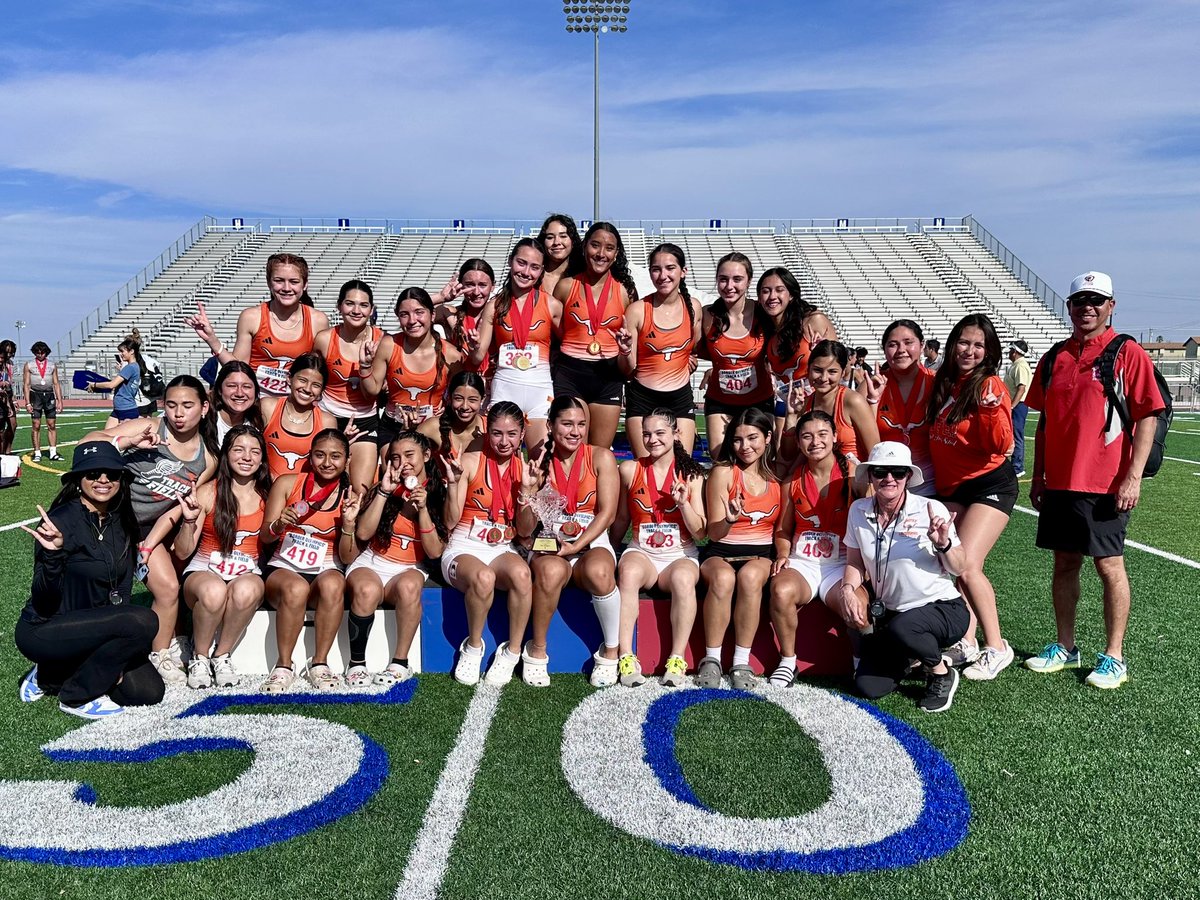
[(344, 396), (232, 400), (310, 521), (294, 420), (660, 335), (901, 397), (663, 499), (586, 477), (401, 524), (595, 293), (516, 329), (795, 327), (222, 583), (270, 335), (854, 419), (413, 366), (735, 341), (969, 440), (476, 282), (809, 539), (744, 501), (564, 250), (481, 511), (461, 427)]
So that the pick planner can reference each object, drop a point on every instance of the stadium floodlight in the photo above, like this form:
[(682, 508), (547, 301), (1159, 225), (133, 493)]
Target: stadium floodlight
[(20, 323), (598, 18)]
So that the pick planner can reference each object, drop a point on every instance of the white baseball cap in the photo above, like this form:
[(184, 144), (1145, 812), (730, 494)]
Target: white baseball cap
[(1092, 283), (888, 453)]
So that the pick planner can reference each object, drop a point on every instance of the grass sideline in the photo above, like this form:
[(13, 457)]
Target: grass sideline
[(1075, 792)]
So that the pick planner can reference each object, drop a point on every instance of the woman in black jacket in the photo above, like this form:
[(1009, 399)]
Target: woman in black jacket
[(88, 643)]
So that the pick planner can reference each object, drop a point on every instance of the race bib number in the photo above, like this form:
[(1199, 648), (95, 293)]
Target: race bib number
[(512, 357), (490, 532), (304, 552), (568, 528), (660, 536), (274, 381), (818, 546), (742, 380), (230, 566), (398, 412)]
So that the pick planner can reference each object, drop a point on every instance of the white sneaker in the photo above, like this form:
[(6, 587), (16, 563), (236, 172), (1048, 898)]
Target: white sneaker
[(37, 457), (962, 652), (199, 673), (182, 649), (604, 671), (169, 668), (500, 672), (100, 708), (224, 674), (30, 690), (992, 661), (470, 661)]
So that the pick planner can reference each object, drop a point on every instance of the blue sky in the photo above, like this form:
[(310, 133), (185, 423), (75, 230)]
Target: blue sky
[(1071, 130)]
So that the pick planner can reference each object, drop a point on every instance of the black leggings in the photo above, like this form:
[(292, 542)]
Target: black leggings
[(918, 634), (83, 653)]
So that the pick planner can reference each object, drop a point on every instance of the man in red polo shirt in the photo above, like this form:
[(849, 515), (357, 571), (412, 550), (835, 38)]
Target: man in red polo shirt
[(1087, 472)]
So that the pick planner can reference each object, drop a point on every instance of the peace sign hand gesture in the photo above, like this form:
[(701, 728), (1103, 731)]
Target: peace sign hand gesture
[(624, 341), (47, 533), (940, 528), (452, 466)]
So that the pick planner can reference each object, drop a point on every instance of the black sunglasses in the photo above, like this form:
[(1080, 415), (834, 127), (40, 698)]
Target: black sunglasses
[(1088, 300), (897, 472), (94, 474)]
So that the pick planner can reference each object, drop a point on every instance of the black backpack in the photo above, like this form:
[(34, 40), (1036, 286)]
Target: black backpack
[(153, 386), (1107, 364)]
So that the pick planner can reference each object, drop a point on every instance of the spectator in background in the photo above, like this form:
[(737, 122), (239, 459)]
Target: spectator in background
[(1017, 379), (8, 405), (933, 348), (1087, 487), (43, 395), (124, 384), (146, 403)]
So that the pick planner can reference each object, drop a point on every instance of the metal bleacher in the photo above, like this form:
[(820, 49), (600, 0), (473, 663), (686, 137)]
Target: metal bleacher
[(862, 275)]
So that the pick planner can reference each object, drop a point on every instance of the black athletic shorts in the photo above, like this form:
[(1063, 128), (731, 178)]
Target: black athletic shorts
[(598, 381), (997, 489), (368, 426), (640, 401), (43, 402), (1075, 522), (737, 555), (721, 408)]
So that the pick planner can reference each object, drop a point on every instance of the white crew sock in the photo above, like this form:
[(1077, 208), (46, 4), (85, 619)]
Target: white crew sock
[(713, 652), (741, 656), (509, 655), (608, 611), (788, 662)]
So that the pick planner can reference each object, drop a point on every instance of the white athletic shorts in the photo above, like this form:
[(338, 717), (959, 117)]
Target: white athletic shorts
[(661, 559), (460, 545), (820, 578), (385, 568), (533, 391)]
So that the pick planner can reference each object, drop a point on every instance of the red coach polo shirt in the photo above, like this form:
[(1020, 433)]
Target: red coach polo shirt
[(1078, 454)]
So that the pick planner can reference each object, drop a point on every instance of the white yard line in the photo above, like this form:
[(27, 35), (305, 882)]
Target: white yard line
[(431, 853), (1145, 548), (1194, 462), (13, 526)]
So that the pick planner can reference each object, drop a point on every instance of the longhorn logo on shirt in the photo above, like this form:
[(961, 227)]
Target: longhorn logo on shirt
[(814, 520), (414, 392), (587, 323), (755, 517), (241, 536), (291, 458), (314, 531), (668, 352), (903, 429)]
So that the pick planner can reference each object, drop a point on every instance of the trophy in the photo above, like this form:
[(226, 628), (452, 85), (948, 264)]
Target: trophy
[(547, 504)]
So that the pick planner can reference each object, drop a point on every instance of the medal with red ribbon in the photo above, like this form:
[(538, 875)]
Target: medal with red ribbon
[(310, 498), (502, 491), (596, 310), (522, 321), (655, 494), (41, 365), (569, 483)]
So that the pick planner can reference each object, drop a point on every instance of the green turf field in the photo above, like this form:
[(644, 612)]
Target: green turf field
[(1074, 792)]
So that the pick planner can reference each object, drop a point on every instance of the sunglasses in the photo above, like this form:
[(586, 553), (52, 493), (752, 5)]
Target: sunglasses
[(1088, 300), (97, 474), (899, 473)]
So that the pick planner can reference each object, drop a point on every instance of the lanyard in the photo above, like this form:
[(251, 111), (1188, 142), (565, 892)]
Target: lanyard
[(881, 574), (502, 499), (570, 483), (311, 498)]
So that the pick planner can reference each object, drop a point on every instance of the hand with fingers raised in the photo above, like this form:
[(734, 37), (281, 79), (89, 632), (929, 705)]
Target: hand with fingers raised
[(47, 533), (940, 528)]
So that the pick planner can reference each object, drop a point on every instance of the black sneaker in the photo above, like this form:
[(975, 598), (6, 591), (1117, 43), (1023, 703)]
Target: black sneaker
[(939, 693)]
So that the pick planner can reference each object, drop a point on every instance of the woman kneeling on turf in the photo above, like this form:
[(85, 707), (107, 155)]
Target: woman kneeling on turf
[(481, 510), (664, 502), (401, 523), (906, 546), (812, 553), (223, 583), (744, 504), (586, 477), (311, 517)]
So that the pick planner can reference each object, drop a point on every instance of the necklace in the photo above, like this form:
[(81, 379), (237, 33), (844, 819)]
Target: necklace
[(297, 420)]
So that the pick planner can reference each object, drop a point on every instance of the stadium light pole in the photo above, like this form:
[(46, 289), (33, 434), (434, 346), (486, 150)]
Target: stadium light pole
[(598, 18), (20, 323)]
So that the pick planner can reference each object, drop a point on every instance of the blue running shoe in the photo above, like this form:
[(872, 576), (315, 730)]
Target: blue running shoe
[(1109, 673), (30, 691), (100, 708), (1053, 658)]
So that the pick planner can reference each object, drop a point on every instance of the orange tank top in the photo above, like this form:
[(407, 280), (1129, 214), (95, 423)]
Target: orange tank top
[(245, 538), (907, 422), (405, 546), (644, 509), (541, 330), (480, 495), (844, 436), (761, 513), (317, 524), (286, 450), (740, 376), (421, 390), (585, 490), (793, 368), (819, 515), (577, 331), (274, 352), (663, 354), (344, 385)]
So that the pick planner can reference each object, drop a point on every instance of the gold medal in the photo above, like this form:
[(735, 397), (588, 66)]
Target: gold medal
[(495, 536), (571, 528), (594, 348), (522, 363), (509, 532)]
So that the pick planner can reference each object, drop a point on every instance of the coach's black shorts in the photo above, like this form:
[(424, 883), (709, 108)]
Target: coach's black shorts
[(997, 489), (713, 407), (640, 401), (43, 403), (1075, 522), (598, 381)]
